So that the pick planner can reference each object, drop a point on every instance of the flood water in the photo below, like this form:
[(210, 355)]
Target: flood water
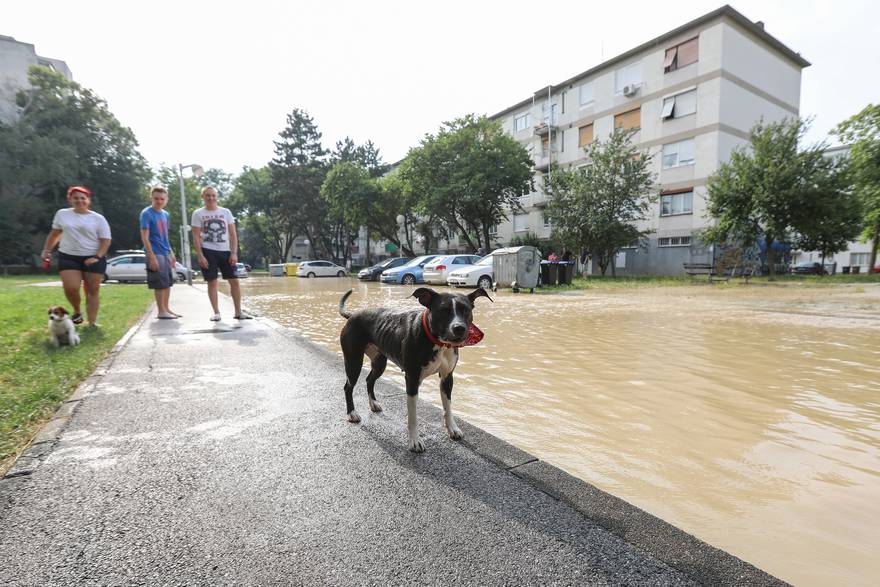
[(746, 415)]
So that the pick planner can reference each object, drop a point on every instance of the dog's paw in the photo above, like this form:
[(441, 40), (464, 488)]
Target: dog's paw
[(375, 406), (353, 417), (74, 340), (55, 343), (455, 432), (415, 445)]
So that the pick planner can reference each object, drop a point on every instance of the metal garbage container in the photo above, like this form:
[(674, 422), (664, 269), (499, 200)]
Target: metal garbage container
[(276, 269), (566, 272), (549, 272), (516, 267), (290, 269)]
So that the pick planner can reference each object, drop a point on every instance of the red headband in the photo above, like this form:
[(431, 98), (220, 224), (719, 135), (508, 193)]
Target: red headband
[(79, 188)]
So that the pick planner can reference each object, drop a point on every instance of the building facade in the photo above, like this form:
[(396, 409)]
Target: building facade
[(692, 95), (16, 58)]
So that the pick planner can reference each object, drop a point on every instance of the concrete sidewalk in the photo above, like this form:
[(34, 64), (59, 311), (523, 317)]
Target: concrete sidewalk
[(205, 453)]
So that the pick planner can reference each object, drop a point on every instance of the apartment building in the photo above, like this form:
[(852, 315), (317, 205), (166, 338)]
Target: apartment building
[(692, 95), (16, 58)]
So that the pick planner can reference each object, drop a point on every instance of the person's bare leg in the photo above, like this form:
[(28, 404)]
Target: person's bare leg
[(235, 290), (71, 280), (92, 287), (212, 295)]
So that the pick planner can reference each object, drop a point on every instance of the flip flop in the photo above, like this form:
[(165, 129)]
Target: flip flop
[(243, 317), (77, 318), (166, 317)]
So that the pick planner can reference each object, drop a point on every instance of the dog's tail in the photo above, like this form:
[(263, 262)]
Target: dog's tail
[(342, 310)]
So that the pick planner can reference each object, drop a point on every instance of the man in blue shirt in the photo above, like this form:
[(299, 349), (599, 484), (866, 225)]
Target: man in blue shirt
[(160, 257)]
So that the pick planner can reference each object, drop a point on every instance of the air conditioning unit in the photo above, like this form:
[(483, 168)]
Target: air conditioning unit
[(630, 90)]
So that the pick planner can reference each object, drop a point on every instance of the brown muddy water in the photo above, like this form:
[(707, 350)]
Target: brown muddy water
[(746, 415)]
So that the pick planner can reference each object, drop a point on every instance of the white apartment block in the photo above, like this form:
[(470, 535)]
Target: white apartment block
[(16, 58), (693, 94)]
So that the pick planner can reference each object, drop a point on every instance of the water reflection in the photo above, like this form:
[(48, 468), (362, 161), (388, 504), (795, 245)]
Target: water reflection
[(749, 416)]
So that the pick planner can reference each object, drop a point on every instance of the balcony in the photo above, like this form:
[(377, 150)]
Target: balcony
[(544, 129)]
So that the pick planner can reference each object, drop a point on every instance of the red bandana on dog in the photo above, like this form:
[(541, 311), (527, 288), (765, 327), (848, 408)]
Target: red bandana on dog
[(474, 336)]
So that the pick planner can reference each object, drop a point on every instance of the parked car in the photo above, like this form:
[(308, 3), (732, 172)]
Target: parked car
[(320, 269), (373, 273), (241, 270), (408, 274), (477, 275), (437, 270), (809, 268), (133, 267)]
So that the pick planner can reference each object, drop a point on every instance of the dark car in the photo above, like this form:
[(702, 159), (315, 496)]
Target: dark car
[(373, 273), (809, 268)]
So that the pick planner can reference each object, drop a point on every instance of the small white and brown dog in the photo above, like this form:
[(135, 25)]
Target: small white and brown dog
[(61, 328)]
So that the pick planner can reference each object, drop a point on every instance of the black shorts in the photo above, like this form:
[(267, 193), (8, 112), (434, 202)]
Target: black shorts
[(218, 260), (77, 263)]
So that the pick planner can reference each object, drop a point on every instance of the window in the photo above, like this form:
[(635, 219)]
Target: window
[(629, 119), (545, 146), (587, 94), (680, 203), (521, 122), (520, 222), (585, 135), (677, 154), (628, 75), (681, 55), (493, 230), (551, 119), (859, 258), (674, 241), (680, 105), (546, 220)]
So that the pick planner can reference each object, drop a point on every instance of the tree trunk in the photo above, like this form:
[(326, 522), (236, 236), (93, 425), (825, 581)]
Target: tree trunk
[(368, 258), (771, 258), (875, 242)]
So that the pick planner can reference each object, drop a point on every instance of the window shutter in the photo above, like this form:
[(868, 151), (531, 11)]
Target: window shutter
[(585, 135), (670, 58), (688, 52), (628, 120)]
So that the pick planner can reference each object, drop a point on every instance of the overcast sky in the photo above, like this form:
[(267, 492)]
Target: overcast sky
[(211, 82)]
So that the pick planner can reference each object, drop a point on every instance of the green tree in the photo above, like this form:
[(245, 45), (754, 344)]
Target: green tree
[(298, 171), (264, 213), (772, 190), (470, 175), (862, 132), (64, 134), (595, 207)]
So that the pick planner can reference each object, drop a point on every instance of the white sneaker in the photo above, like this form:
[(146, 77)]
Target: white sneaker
[(215, 318)]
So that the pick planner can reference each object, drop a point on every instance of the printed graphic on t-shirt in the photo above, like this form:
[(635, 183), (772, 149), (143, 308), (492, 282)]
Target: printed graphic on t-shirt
[(214, 230)]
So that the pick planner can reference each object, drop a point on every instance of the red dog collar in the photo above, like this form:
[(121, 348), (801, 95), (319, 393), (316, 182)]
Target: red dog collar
[(474, 336)]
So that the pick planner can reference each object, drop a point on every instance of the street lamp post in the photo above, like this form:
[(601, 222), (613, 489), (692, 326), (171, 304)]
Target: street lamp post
[(184, 232)]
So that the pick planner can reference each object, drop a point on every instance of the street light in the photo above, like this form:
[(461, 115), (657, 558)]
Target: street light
[(184, 233)]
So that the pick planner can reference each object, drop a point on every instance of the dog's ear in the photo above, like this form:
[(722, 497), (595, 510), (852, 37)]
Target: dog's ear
[(61, 310), (478, 293), (425, 295)]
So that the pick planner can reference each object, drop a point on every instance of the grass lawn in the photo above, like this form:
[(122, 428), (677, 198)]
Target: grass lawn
[(35, 377), (596, 282)]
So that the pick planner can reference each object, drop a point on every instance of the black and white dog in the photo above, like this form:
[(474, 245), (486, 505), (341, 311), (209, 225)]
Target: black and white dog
[(420, 342)]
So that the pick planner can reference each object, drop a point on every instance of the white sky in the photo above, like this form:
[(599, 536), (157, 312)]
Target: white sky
[(211, 82)]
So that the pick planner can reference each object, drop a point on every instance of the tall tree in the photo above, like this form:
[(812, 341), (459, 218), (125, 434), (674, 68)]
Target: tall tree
[(862, 132), (63, 134), (470, 175), (772, 189), (298, 171), (595, 208)]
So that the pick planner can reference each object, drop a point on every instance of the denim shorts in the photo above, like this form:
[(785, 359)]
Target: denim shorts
[(164, 277)]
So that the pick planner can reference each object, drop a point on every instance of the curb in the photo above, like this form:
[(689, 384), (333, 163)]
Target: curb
[(44, 440)]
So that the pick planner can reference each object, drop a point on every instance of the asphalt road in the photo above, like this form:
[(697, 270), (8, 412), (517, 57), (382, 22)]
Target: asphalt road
[(209, 453)]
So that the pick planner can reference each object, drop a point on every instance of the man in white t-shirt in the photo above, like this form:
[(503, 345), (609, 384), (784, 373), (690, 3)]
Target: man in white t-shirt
[(216, 242)]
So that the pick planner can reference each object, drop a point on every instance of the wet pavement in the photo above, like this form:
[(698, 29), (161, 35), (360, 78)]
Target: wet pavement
[(218, 453)]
